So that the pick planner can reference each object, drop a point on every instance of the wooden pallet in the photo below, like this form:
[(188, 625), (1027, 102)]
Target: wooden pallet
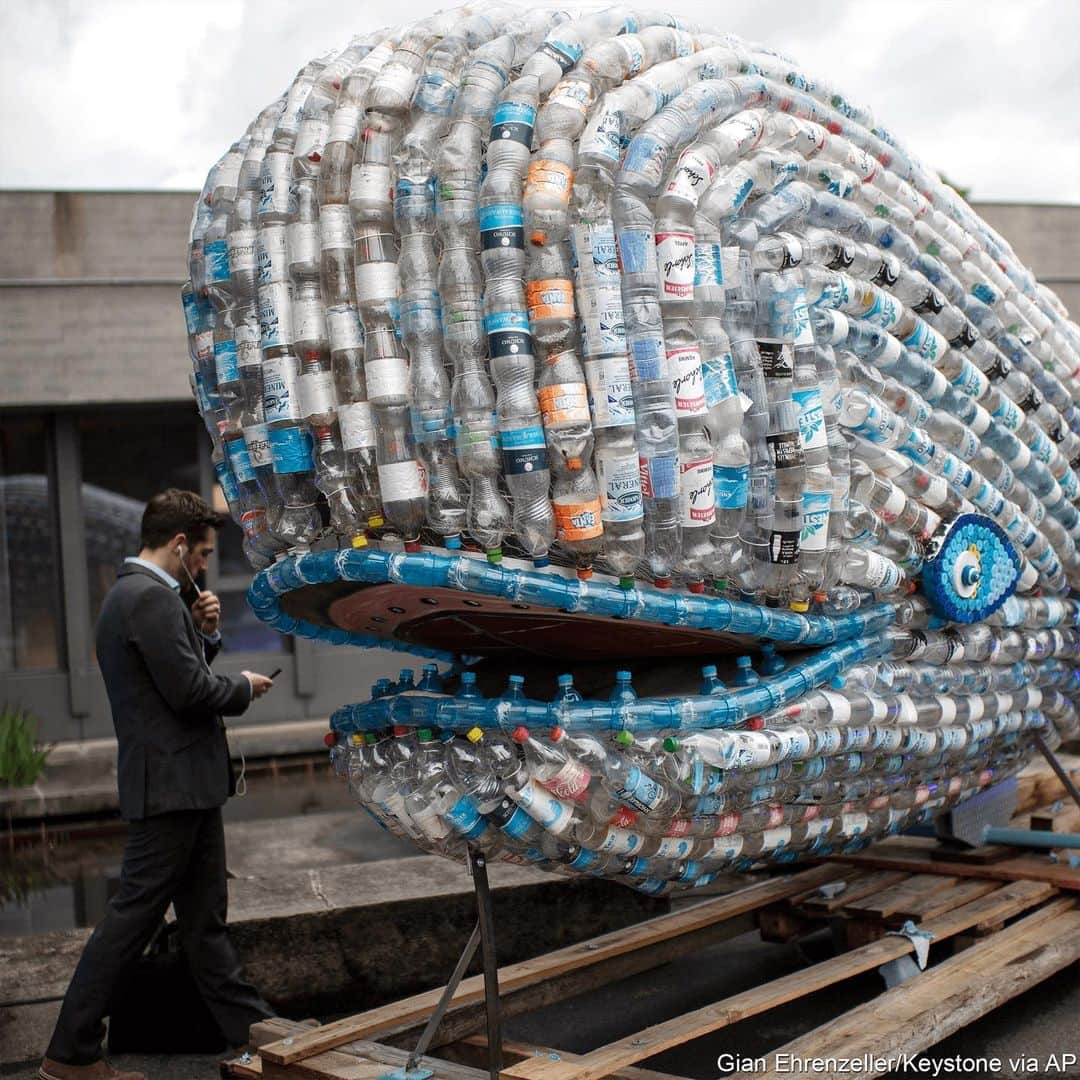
[(1004, 934)]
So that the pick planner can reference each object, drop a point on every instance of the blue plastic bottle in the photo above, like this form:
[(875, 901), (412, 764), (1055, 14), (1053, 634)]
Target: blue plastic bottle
[(746, 675)]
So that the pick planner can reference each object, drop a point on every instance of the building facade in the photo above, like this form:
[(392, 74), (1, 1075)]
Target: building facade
[(96, 414)]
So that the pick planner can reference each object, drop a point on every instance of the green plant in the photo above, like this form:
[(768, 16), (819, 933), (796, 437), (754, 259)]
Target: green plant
[(21, 758)]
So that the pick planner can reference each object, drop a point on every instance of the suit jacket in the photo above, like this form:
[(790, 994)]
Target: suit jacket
[(167, 705)]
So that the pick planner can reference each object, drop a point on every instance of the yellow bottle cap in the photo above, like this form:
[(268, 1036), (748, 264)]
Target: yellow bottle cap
[(474, 735)]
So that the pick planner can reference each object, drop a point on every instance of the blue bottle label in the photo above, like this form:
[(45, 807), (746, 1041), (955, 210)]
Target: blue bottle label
[(815, 520), (191, 311), (510, 818), (240, 460), (640, 792), (565, 54), (434, 94), (217, 261), (513, 120), (227, 481), (290, 449), (720, 384), (584, 860), (464, 817), (508, 334), (502, 227), (226, 362), (660, 477), (524, 451), (647, 359), (811, 418), (708, 265), (637, 251), (731, 485)]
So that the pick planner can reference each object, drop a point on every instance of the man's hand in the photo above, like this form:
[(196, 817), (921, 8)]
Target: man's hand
[(259, 683), (206, 611)]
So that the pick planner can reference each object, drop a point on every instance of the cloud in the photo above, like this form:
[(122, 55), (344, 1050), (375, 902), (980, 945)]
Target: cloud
[(126, 94)]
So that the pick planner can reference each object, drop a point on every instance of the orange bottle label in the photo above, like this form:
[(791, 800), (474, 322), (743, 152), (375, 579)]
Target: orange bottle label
[(549, 178), (564, 403), (550, 299), (578, 521)]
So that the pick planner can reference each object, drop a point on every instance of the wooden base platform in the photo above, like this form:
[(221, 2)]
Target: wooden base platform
[(998, 929)]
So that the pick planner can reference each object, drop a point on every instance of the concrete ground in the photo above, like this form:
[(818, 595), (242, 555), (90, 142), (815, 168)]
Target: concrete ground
[(1044, 1021)]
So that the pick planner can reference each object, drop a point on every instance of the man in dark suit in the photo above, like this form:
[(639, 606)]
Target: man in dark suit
[(174, 774)]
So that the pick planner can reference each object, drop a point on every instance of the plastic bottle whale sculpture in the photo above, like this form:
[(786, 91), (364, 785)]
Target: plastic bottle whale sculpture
[(613, 323)]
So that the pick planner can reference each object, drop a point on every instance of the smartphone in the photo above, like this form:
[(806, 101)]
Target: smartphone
[(274, 674)]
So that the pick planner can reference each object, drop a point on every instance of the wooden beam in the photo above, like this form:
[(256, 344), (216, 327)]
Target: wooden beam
[(465, 1019), (922, 1011), (529, 972), (1006, 901), (523, 1051), (913, 854), (863, 884)]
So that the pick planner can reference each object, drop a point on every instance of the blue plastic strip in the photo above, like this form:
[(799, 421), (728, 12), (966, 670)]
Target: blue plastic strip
[(428, 570), (418, 709)]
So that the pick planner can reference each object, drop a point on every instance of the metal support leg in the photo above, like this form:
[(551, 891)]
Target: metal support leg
[(1058, 768), (486, 922), (444, 1002)]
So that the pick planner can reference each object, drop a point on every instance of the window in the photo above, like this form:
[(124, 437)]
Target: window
[(127, 456), (29, 578)]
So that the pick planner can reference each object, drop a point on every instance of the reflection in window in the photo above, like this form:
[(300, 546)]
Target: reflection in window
[(241, 631), (29, 581), (127, 456)]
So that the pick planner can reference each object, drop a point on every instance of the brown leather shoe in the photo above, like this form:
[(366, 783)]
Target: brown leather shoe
[(99, 1070)]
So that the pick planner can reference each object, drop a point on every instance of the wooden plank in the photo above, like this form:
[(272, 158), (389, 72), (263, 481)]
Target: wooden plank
[(913, 854), (1006, 901), (933, 904), (528, 972), (907, 893), (465, 1019), (922, 1011), (1058, 817), (864, 883), (513, 1049)]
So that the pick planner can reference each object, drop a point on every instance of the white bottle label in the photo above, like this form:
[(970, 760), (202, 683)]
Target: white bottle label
[(344, 124), (853, 824), (619, 479), (881, 573), (815, 520), (726, 847), (696, 493), (376, 281), (271, 253), (343, 328), (309, 318), (839, 705), (688, 381), (241, 250), (387, 380), (335, 227), (357, 425), (311, 138), (610, 395), (400, 481), (274, 182), (691, 177), (318, 394), (675, 255), (555, 816), (275, 314), (258, 445), (427, 820), (620, 842), (674, 847), (570, 782), (303, 241), (775, 839), (280, 401), (370, 183)]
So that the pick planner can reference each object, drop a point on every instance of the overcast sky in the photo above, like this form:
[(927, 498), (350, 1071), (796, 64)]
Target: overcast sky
[(147, 93)]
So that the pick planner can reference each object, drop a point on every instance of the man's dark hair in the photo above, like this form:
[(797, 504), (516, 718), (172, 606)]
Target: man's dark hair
[(174, 511)]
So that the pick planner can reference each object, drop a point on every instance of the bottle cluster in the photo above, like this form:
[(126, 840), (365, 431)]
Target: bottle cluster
[(621, 293), (659, 810)]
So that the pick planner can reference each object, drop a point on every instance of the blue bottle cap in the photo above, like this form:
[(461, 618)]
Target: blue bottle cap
[(565, 680)]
